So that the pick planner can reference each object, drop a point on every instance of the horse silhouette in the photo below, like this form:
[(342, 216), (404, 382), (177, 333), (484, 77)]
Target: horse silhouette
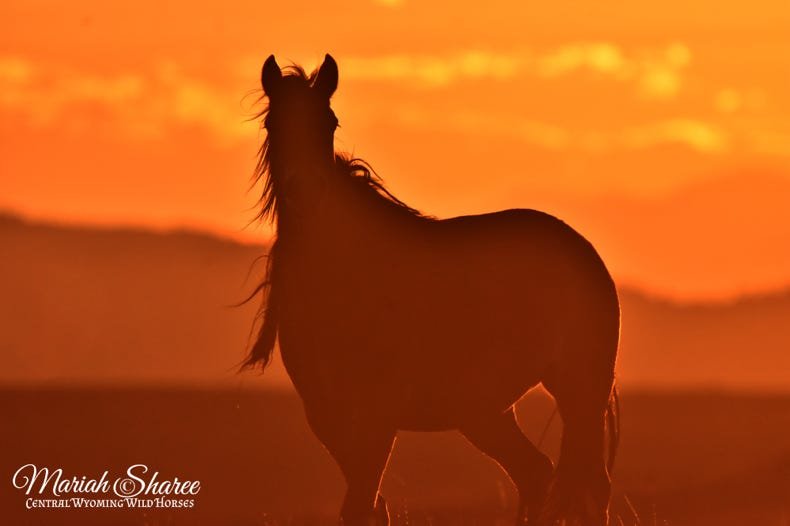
[(388, 319)]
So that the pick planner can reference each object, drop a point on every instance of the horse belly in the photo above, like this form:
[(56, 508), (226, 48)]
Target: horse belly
[(460, 363)]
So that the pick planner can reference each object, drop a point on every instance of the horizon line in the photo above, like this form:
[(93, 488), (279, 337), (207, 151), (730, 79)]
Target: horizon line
[(217, 234)]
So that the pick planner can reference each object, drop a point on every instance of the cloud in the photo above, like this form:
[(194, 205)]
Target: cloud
[(432, 71), (656, 73), (699, 135), (532, 132), (731, 100), (141, 104), (602, 57), (147, 104), (659, 82), (727, 100), (14, 70), (14, 73), (660, 74)]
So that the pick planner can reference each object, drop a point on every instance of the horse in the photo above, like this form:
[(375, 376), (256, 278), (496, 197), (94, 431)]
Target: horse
[(389, 319)]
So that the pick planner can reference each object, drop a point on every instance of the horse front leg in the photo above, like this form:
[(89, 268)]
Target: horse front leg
[(361, 447)]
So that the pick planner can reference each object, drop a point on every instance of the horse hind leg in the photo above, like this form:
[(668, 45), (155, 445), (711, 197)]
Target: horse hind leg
[(581, 488), (530, 470)]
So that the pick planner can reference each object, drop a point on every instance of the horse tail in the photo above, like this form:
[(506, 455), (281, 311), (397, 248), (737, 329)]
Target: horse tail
[(613, 427)]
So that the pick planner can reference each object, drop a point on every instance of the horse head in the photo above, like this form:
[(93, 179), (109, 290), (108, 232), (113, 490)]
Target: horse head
[(300, 123)]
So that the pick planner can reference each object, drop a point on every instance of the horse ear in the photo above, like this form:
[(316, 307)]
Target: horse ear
[(270, 76), (326, 79)]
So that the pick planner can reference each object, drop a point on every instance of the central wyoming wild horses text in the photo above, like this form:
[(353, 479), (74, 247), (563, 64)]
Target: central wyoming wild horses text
[(388, 319)]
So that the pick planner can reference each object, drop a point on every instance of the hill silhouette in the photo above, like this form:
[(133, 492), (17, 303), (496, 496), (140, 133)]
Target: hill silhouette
[(720, 235), (132, 306)]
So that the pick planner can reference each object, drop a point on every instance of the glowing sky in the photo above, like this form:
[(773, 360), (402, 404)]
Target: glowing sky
[(661, 130)]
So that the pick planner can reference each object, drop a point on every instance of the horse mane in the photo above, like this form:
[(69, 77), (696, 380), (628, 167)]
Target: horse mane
[(355, 172), (262, 173), (358, 171)]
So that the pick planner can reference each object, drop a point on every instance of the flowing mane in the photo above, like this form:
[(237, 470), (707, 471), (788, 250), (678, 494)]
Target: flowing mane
[(356, 170), (352, 171)]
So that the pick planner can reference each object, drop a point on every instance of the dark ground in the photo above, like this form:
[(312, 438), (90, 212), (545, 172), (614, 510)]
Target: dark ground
[(686, 458)]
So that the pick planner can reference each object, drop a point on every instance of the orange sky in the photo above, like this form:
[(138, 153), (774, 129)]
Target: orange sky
[(661, 130)]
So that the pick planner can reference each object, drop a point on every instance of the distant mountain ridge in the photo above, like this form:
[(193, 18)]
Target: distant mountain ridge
[(724, 235), (133, 306)]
